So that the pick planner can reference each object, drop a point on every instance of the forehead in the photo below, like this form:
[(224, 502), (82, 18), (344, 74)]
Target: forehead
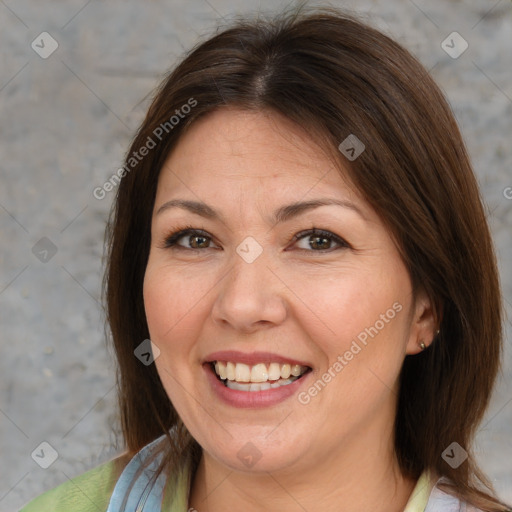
[(249, 150)]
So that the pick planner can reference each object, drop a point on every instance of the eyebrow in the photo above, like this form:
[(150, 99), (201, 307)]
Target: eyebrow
[(282, 214)]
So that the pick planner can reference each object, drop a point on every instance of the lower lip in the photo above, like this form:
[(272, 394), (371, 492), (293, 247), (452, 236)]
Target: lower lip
[(252, 399)]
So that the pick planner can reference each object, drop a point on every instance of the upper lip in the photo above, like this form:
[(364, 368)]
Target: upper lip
[(252, 358)]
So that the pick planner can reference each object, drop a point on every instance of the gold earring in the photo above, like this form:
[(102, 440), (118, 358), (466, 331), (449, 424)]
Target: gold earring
[(422, 346)]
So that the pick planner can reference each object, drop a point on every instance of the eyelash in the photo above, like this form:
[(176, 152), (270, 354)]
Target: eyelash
[(170, 241)]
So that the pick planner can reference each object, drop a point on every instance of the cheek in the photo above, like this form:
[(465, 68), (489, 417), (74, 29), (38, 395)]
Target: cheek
[(344, 306), (364, 321), (171, 302), (172, 320)]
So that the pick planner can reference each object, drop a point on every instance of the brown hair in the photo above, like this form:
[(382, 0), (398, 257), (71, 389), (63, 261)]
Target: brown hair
[(335, 76)]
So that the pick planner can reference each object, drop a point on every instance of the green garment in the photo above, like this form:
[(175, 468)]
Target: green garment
[(91, 492), (86, 493)]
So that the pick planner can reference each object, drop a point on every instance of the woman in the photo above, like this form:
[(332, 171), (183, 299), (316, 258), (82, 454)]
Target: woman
[(307, 251)]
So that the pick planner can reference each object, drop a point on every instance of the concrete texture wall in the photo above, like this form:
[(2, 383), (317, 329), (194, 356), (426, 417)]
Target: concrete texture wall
[(75, 77)]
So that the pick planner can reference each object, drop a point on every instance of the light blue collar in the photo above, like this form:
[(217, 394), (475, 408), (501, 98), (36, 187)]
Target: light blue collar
[(136, 489)]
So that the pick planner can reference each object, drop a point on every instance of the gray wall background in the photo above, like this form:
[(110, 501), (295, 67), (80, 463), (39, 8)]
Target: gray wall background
[(65, 123)]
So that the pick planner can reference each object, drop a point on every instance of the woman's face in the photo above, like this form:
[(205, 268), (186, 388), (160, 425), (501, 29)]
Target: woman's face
[(255, 291)]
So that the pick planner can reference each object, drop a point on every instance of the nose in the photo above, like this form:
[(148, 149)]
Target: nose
[(251, 296)]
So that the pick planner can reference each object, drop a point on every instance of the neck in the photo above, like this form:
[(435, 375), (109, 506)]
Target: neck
[(361, 475)]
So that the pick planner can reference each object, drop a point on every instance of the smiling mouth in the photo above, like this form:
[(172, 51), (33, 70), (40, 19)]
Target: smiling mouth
[(259, 377)]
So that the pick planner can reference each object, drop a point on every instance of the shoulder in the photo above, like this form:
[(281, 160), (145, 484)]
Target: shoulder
[(88, 492)]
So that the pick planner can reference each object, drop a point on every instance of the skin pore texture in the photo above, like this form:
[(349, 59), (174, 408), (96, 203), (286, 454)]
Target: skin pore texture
[(306, 299)]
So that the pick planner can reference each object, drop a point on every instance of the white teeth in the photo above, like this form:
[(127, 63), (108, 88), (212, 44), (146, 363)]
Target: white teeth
[(220, 368), (274, 371), (295, 371), (265, 376), (259, 373), (242, 373), (230, 371), (238, 386), (241, 386)]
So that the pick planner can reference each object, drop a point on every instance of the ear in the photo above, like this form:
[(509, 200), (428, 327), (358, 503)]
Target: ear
[(424, 323)]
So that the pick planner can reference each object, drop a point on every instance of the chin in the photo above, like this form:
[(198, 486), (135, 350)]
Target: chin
[(252, 451)]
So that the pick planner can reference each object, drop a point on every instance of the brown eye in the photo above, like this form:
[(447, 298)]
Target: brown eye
[(191, 239), (198, 241), (317, 240)]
